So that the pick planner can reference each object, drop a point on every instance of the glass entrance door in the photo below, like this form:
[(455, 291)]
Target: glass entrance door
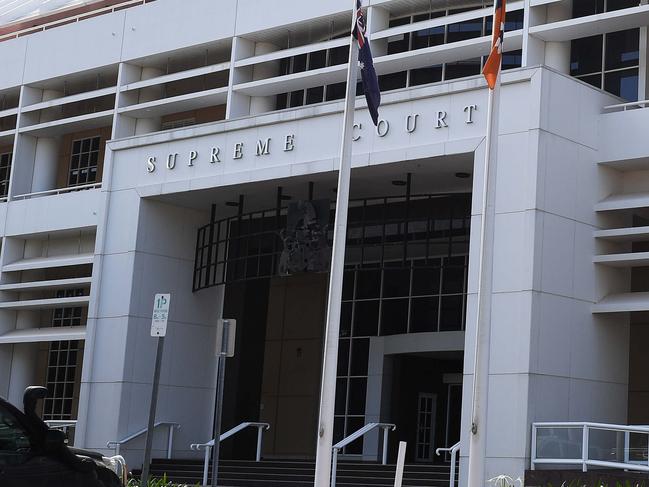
[(427, 409)]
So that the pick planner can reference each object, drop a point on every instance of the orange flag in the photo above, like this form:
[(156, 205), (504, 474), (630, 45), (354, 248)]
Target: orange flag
[(494, 61)]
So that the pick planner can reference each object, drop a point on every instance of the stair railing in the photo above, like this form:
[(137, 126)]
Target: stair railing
[(170, 437), (386, 427), (453, 450), (261, 427)]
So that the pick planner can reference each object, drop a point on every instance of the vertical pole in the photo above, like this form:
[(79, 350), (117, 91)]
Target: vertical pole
[(533, 448), (332, 332), (334, 467), (627, 437), (385, 446), (401, 460), (219, 402), (584, 449), (206, 464), (154, 402), (482, 337), (260, 432), (170, 441)]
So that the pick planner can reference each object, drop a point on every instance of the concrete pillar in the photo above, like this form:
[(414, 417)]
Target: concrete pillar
[(263, 104), (557, 54), (46, 159), (23, 371), (148, 125)]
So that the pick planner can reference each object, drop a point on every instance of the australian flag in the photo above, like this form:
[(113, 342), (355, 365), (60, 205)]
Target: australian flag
[(368, 74)]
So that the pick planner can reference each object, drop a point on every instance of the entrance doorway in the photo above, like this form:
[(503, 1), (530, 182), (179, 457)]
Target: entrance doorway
[(290, 392), (426, 399)]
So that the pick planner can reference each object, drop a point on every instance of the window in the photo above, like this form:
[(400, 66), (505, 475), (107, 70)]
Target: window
[(610, 61), (63, 361), (5, 170), (14, 440), (83, 161)]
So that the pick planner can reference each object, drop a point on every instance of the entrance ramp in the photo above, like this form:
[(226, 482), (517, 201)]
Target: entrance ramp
[(278, 473)]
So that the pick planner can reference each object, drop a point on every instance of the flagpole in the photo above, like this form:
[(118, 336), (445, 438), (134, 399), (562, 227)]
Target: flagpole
[(482, 338), (332, 332)]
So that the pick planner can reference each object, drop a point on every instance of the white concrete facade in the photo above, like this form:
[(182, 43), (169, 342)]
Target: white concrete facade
[(570, 170)]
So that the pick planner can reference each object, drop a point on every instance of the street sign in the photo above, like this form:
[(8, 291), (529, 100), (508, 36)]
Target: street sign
[(231, 337), (160, 315)]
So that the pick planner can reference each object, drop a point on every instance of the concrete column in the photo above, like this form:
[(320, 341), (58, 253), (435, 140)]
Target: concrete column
[(23, 370), (46, 159), (643, 74), (263, 104), (557, 54), (148, 125)]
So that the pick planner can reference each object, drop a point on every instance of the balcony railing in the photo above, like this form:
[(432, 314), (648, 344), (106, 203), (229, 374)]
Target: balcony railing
[(590, 445), (69, 189)]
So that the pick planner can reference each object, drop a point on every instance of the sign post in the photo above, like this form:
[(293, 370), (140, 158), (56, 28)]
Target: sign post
[(159, 330), (225, 339)]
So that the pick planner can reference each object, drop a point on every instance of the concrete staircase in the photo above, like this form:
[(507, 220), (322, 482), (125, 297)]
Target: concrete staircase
[(277, 473)]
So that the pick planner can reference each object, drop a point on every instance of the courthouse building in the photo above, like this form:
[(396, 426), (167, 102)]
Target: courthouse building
[(191, 147)]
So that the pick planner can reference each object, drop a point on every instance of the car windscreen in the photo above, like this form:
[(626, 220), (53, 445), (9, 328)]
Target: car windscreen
[(15, 444)]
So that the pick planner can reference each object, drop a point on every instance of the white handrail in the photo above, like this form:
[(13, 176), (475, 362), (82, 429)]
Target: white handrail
[(386, 427), (626, 106), (170, 438), (453, 449), (585, 461), (261, 427), (68, 189)]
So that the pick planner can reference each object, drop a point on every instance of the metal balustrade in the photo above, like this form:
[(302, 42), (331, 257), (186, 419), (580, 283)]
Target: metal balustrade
[(590, 445), (261, 427), (170, 437), (453, 451), (68, 189), (386, 427), (628, 106)]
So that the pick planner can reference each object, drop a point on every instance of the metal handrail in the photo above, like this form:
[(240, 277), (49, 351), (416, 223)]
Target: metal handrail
[(626, 106), (170, 438), (585, 461), (453, 450), (68, 189), (386, 427), (261, 427)]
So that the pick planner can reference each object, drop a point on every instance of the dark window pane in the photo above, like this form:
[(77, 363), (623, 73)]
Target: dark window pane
[(425, 281), (280, 101), (356, 399), (368, 284), (513, 21), (461, 69), (346, 319), (423, 316), (335, 91), (339, 428), (451, 313), (366, 318), (398, 43), (512, 59), (314, 95), (297, 98), (360, 356), (595, 80), (396, 282), (354, 424), (341, 396), (464, 30), (343, 356), (299, 63), (623, 84), (95, 143), (348, 285), (582, 8), (622, 49), (393, 81), (76, 147), (586, 55), (423, 76), (85, 145), (394, 316), (317, 59), (338, 55), (620, 4)]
